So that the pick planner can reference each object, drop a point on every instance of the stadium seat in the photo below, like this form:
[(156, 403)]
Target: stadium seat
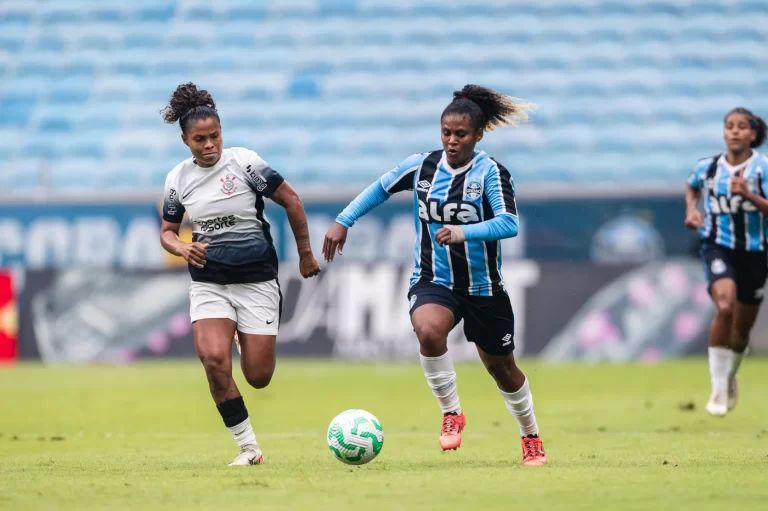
[(15, 110), (367, 79), (11, 44)]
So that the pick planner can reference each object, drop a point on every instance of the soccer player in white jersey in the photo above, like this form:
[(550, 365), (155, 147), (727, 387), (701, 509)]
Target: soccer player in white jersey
[(231, 259), (733, 231), (464, 203)]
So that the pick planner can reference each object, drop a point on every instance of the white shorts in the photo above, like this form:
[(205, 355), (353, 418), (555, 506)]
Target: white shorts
[(254, 307)]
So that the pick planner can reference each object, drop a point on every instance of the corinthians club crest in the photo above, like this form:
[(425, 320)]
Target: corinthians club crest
[(228, 186)]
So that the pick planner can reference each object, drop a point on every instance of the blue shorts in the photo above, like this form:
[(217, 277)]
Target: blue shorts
[(488, 320)]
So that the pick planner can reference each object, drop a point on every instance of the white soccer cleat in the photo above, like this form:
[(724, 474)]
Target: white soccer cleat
[(249, 455), (717, 406), (733, 393)]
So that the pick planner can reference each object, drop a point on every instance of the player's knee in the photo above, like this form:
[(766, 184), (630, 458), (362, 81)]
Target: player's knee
[(501, 370), (259, 378), (724, 305), (214, 364), (431, 336)]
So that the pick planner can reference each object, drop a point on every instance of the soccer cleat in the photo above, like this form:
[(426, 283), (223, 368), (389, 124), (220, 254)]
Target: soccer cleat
[(717, 406), (249, 455), (733, 393), (450, 434), (533, 451)]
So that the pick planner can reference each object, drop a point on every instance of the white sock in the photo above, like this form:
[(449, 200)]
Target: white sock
[(720, 363), (736, 359), (441, 378), (520, 405), (244, 434)]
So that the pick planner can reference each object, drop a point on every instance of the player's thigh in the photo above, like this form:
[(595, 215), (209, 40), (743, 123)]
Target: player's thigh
[(744, 317), (258, 306), (751, 272), (434, 312), (751, 269), (213, 322), (489, 323), (213, 343), (257, 358), (721, 276)]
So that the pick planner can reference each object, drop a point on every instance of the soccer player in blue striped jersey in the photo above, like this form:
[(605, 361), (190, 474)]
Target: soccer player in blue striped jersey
[(464, 204), (733, 231)]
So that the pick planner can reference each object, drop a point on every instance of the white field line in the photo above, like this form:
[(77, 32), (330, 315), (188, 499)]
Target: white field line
[(316, 434)]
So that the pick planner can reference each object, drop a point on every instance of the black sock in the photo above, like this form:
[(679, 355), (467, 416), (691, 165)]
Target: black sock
[(233, 411), (446, 414)]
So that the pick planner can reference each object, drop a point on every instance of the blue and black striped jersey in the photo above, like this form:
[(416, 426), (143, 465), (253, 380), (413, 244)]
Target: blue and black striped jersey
[(731, 221), (479, 191)]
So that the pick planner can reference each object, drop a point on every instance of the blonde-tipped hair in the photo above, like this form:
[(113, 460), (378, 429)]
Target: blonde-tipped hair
[(489, 109)]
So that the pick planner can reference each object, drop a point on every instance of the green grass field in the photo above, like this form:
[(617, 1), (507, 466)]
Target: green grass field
[(148, 437)]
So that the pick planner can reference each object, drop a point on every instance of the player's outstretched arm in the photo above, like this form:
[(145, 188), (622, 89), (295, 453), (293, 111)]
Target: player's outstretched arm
[(399, 179), (336, 236), (287, 197)]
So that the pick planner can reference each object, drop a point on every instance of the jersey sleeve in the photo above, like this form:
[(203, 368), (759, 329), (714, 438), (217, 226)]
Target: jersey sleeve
[(260, 177), (500, 190), (400, 179), (368, 199), (696, 177), (173, 210)]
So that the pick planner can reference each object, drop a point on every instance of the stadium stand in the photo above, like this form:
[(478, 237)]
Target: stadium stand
[(335, 92)]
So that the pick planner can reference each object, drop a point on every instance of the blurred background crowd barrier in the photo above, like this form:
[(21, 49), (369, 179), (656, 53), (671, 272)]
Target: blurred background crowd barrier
[(631, 94)]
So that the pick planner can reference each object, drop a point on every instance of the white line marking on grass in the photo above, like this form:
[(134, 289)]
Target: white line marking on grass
[(277, 435)]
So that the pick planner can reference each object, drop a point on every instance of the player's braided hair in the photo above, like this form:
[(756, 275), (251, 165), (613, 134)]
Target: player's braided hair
[(487, 108), (188, 105), (755, 122)]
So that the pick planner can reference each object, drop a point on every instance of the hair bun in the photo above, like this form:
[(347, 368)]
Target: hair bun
[(186, 97)]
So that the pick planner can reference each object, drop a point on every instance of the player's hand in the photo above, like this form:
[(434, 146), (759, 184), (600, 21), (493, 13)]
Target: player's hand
[(693, 219), (194, 253), (334, 239), (308, 266), (738, 185), (450, 235)]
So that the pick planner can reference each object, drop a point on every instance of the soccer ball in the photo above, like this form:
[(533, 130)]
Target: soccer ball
[(355, 437)]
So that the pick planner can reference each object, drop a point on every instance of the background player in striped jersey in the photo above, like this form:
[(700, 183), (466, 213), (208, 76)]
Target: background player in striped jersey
[(232, 261), (464, 203), (733, 232)]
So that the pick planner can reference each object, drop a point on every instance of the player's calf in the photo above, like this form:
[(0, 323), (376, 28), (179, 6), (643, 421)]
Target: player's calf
[(515, 390), (218, 370)]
